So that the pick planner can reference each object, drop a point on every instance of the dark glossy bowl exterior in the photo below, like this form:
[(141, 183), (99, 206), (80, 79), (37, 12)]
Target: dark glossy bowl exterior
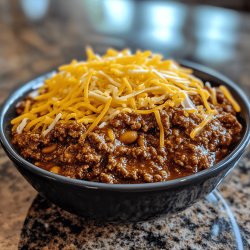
[(125, 201)]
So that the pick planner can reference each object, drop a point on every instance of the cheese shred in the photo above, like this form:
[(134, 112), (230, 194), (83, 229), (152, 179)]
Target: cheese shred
[(230, 98), (158, 119), (96, 90)]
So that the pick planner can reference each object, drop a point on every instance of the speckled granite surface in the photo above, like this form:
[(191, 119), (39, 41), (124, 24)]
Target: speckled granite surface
[(205, 225), (31, 45)]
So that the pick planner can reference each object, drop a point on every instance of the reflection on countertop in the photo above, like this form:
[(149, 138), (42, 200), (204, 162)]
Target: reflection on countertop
[(37, 36)]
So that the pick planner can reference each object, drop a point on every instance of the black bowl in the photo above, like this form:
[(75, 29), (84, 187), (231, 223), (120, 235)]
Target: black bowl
[(132, 202)]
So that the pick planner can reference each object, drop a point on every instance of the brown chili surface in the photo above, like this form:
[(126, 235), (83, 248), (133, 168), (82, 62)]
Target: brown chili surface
[(127, 149)]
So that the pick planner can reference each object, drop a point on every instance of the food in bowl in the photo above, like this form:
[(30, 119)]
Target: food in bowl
[(126, 118)]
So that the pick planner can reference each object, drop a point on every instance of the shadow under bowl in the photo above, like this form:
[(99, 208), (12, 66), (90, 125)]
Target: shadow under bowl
[(125, 202)]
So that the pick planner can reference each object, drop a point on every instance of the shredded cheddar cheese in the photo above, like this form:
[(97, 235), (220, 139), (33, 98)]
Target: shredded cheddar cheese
[(96, 90), (230, 98), (158, 119)]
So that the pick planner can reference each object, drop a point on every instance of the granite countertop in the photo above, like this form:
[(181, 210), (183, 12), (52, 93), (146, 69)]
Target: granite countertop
[(38, 40)]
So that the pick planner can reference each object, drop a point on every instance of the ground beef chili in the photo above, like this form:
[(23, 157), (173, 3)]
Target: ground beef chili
[(134, 155)]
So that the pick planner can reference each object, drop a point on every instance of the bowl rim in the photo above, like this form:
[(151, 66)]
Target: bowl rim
[(175, 183)]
